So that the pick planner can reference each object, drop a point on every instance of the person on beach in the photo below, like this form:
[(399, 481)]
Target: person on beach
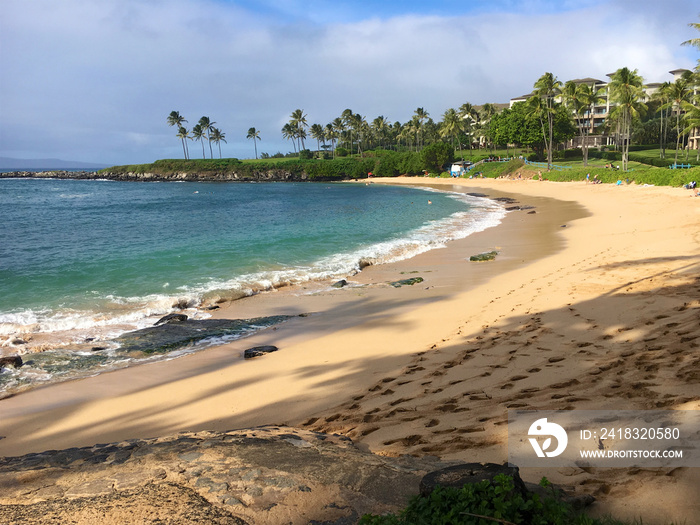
[(588, 178)]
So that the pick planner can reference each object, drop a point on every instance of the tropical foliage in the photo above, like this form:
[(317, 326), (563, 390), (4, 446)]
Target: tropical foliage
[(254, 134), (204, 129)]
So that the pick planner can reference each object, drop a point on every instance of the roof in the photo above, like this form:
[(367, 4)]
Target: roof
[(587, 81)]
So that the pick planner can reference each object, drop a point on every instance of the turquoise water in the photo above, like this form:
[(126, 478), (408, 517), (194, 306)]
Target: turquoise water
[(89, 259)]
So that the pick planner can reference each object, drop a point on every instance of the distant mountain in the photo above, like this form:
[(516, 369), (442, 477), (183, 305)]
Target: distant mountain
[(7, 163)]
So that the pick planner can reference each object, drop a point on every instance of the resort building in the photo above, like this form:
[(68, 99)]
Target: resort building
[(594, 122)]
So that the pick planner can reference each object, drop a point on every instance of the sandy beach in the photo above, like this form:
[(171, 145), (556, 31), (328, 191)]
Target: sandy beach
[(591, 303)]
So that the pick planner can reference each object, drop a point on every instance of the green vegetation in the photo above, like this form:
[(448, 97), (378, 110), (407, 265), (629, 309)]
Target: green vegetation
[(434, 158), (489, 503), (476, 503), (391, 164), (638, 173)]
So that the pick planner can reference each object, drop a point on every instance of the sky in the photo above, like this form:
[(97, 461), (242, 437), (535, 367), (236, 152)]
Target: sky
[(94, 80)]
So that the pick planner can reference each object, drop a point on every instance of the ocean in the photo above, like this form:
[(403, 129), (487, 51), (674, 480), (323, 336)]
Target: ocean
[(82, 262)]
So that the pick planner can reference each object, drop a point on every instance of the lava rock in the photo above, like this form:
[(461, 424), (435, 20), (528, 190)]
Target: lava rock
[(459, 475), (171, 318), (257, 351), (14, 361)]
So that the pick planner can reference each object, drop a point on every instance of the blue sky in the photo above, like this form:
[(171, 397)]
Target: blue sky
[(95, 80)]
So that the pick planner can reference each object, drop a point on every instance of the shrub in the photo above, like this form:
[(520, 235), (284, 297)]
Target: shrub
[(470, 504), (436, 156), (306, 154), (341, 152)]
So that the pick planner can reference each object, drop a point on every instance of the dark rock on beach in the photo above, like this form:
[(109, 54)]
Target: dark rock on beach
[(177, 333), (459, 475), (486, 256), (171, 318), (339, 284), (506, 200), (406, 282), (257, 351), (14, 361)]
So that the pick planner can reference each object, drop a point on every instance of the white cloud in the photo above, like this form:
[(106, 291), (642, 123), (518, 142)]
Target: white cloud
[(95, 81)]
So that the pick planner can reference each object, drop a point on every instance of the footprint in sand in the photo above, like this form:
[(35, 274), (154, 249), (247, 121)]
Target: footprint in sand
[(399, 401)]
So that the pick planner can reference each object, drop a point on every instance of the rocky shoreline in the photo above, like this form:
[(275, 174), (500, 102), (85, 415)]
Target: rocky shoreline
[(270, 175)]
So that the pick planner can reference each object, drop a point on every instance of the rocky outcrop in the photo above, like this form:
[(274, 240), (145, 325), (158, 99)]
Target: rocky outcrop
[(176, 331), (269, 475)]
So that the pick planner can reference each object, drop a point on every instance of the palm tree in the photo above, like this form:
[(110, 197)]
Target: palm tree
[(198, 134), (661, 95), (380, 126), (581, 99), (450, 126), (694, 41), (678, 92), (289, 133), (590, 96), (421, 115), (298, 121), (319, 134), (175, 119), (332, 135), (547, 88), (255, 135), (536, 107), (692, 119), (183, 134), (359, 126), (338, 127), (207, 127), (488, 110), (217, 136), (626, 91), (346, 118)]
